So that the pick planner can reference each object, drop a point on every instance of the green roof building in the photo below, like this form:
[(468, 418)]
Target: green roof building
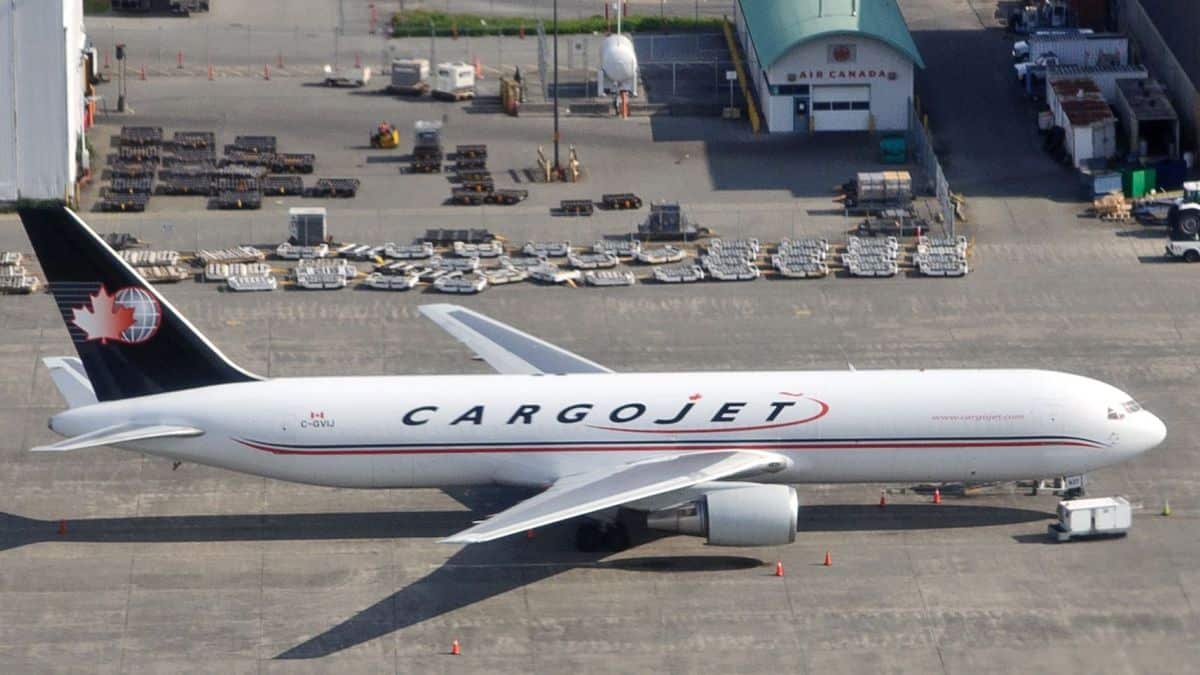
[(829, 65)]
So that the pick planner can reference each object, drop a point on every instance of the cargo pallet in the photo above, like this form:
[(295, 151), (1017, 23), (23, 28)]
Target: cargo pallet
[(283, 185), (246, 157), (122, 203), (426, 165), (138, 153), (465, 197), (237, 200), (291, 162), (335, 187), (576, 207), (506, 197), (467, 163), (195, 140), (447, 236), (262, 144), (467, 175), (132, 170), (233, 183), (141, 136), (477, 151), (184, 185), (185, 155), (620, 201), (484, 185), (129, 186)]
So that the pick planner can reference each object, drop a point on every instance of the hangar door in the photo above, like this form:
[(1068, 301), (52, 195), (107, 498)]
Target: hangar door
[(841, 107)]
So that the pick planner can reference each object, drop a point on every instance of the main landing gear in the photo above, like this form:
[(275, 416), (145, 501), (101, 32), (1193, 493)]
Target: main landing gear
[(593, 536)]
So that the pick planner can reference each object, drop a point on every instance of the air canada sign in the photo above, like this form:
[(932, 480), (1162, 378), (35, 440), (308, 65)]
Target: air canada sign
[(845, 74)]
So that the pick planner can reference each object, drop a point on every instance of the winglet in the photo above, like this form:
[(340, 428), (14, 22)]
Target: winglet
[(508, 350)]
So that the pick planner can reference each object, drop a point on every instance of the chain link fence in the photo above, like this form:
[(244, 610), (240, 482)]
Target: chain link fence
[(921, 142)]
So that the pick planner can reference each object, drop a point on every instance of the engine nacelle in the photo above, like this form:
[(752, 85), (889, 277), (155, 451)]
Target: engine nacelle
[(757, 515)]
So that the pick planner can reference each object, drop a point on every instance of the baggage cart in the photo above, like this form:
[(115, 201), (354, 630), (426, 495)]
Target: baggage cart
[(114, 202), (245, 284), (233, 182), (592, 261), (547, 249), (621, 201), (132, 169), (609, 278), (426, 165), (293, 162), (182, 184), (684, 273), (576, 207), (549, 273), (465, 197), (236, 200), (484, 185), (491, 249), (419, 251), (466, 175), (283, 185), (462, 164), (457, 282), (391, 282), (447, 237), (195, 139), (141, 136), (246, 158), (335, 187), (139, 153), (622, 248), (478, 151), (506, 196), (130, 186), (498, 276), (262, 144)]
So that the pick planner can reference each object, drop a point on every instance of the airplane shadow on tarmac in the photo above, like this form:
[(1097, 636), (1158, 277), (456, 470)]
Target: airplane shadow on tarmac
[(480, 571)]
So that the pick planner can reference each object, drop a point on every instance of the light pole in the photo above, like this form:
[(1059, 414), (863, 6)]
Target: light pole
[(557, 166)]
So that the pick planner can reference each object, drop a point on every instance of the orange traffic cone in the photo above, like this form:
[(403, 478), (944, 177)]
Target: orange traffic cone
[(530, 534), (62, 527), (478, 69), (266, 72), (455, 650), (779, 568), (521, 32), (357, 60), (210, 73), (882, 499), (828, 559), (142, 74), (937, 496)]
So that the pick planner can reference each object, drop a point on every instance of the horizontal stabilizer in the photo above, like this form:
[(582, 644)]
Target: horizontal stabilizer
[(590, 492), (117, 434), (71, 380), (508, 350)]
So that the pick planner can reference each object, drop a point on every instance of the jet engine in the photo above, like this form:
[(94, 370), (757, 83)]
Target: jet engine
[(756, 515)]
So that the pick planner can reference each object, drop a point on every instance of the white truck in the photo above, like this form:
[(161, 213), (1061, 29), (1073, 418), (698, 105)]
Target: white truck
[(1098, 517), (1183, 221), (409, 76), (346, 77), (454, 81)]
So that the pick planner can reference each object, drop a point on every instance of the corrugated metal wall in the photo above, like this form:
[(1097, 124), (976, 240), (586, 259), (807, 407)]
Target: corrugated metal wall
[(41, 102)]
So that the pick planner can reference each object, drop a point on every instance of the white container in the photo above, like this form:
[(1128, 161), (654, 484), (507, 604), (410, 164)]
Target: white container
[(1104, 516), (410, 75), (1081, 50), (454, 81)]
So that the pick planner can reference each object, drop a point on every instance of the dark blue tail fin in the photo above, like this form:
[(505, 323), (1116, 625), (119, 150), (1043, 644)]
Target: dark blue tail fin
[(131, 340)]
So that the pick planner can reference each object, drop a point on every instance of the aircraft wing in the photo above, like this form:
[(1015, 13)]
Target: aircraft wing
[(508, 350), (119, 433), (589, 492)]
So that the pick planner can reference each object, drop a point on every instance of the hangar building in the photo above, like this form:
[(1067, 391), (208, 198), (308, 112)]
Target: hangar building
[(44, 63), (829, 65)]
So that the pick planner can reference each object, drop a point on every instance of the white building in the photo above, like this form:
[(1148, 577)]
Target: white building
[(42, 103), (829, 65)]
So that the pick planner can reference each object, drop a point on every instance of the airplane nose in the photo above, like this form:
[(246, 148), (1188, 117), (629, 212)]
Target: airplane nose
[(1151, 432)]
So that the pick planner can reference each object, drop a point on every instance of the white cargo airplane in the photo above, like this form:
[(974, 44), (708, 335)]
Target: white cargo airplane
[(707, 454)]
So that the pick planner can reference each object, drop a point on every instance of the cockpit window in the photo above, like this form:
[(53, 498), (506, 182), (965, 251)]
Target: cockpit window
[(1114, 414), (1131, 406)]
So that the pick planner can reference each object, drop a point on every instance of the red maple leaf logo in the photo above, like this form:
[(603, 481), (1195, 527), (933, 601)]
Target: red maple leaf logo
[(105, 320)]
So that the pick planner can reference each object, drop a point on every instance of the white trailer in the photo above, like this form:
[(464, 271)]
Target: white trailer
[(1100, 517), (409, 76), (1081, 50), (454, 81)]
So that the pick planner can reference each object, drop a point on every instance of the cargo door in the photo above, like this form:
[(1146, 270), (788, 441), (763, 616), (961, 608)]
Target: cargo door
[(841, 107)]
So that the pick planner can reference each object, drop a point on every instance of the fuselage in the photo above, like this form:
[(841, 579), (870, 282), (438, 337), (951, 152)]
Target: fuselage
[(839, 426)]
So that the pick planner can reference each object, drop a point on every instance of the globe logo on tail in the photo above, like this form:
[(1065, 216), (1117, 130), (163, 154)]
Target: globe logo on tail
[(131, 315)]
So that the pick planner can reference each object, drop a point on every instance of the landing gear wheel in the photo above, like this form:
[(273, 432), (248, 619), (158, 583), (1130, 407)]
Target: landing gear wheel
[(589, 537), (616, 537), (1073, 493)]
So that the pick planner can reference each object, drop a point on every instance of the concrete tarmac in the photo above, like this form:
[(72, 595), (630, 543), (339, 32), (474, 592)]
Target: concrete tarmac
[(201, 570)]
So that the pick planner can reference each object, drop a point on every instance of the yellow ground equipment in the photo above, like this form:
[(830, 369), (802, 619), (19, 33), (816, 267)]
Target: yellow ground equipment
[(385, 139)]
